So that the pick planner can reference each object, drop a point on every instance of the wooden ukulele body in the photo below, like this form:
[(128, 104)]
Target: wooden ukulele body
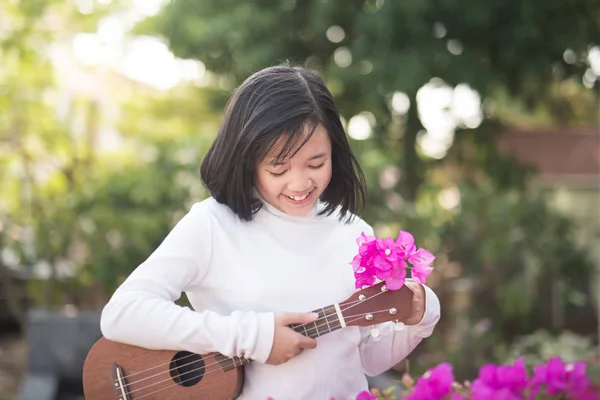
[(153, 375)]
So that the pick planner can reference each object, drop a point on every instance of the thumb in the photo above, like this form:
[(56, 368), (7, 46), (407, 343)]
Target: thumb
[(298, 318)]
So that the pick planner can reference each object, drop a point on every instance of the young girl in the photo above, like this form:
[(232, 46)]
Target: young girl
[(273, 242)]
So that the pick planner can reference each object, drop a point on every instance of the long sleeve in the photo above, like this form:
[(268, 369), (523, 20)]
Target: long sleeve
[(379, 355), (142, 311)]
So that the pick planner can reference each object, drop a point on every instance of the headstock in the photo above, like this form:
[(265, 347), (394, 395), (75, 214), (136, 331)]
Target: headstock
[(376, 304)]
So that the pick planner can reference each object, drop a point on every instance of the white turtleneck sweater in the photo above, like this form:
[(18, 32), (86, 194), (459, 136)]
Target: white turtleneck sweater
[(236, 274)]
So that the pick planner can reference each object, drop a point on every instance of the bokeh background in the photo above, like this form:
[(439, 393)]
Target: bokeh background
[(477, 124)]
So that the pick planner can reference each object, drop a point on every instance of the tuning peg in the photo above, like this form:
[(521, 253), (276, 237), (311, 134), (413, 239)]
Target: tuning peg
[(375, 334), (399, 327)]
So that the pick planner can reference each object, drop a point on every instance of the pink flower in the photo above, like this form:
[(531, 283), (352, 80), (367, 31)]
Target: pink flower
[(364, 277), (386, 259), (420, 273), (406, 243), (436, 384), (421, 257), (365, 395), (505, 382), (397, 278), (564, 379), (387, 248), (363, 262), (365, 242)]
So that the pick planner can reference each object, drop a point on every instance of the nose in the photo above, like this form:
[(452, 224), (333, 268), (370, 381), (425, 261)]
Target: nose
[(299, 183)]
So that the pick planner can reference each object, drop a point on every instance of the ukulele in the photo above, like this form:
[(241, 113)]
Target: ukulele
[(123, 372)]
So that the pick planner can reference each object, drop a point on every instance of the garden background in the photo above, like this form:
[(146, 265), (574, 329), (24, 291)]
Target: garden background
[(477, 124)]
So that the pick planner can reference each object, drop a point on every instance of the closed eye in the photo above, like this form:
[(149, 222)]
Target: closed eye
[(277, 173), (316, 166)]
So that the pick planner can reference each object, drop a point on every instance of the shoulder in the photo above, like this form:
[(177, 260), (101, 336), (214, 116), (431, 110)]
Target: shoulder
[(209, 211), (209, 207)]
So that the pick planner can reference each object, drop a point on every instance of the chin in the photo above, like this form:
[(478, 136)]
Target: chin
[(296, 212)]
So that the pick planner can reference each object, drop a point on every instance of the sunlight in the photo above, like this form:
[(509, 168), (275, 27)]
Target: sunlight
[(442, 109), (143, 59), (360, 126)]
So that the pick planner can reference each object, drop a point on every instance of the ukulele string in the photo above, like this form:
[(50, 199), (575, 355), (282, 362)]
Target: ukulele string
[(356, 302), (327, 323), (329, 308), (351, 318)]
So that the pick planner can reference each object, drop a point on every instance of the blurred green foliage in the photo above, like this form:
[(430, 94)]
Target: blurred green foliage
[(382, 46), (66, 206)]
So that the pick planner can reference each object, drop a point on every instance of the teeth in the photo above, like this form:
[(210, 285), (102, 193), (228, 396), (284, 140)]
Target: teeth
[(298, 198)]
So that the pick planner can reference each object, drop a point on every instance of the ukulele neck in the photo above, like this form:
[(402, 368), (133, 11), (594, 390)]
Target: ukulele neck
[(328, 321)]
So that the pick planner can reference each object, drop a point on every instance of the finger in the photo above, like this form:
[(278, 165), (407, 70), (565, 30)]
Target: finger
[(299, 318), (307, 343), (412, 285)]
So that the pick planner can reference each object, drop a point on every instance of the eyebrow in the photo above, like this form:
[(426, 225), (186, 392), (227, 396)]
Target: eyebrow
[(276, 163)]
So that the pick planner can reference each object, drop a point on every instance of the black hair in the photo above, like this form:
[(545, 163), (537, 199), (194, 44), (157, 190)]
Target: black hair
[(280, 101)]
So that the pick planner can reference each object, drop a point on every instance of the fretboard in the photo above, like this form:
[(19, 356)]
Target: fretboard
[(327, 321)]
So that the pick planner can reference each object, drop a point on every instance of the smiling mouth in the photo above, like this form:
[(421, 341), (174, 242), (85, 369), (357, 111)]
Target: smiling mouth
[(299, 198)]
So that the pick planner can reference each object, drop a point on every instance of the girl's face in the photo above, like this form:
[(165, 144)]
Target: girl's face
[(295, 185)]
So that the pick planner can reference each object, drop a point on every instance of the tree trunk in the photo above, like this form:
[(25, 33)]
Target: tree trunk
[(412, 165), (13, 299)]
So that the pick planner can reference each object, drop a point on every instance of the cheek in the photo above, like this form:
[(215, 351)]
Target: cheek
[(267, 185), (324, 176)]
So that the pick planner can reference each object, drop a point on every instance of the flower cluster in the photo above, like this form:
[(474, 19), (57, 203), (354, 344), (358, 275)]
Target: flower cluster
[(387, 260), (552, 380)]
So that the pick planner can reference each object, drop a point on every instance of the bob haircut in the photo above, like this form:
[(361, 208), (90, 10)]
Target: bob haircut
[(273, 103)]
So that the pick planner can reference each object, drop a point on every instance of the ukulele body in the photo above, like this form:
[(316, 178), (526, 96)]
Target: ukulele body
[(119, 371)]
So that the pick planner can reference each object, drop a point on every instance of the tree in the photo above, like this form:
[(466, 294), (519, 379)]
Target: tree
[(370, 49), (65, 204)]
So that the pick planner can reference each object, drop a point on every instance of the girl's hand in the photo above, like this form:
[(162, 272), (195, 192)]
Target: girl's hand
[(418, 302), (288, 343)]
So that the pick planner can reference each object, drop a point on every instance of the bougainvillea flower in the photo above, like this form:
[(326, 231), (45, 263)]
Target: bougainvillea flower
[(559, 378), (422, 257), (386, 259), (421, 272), (397, 277), (406, 243), (505, 382), (365, 395), (364, 277), (435, 384)]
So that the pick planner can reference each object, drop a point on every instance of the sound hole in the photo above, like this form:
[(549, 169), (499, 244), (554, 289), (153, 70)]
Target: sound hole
[(187, 369)]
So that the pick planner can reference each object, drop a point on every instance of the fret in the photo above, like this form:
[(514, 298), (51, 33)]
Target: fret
[(228, 364), (335, 323), (310, 329), (327, 320)]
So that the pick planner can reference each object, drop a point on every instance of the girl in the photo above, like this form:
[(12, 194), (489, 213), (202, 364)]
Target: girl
[(273, 241)]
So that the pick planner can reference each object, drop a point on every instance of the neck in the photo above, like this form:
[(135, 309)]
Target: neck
[(328, 321)]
